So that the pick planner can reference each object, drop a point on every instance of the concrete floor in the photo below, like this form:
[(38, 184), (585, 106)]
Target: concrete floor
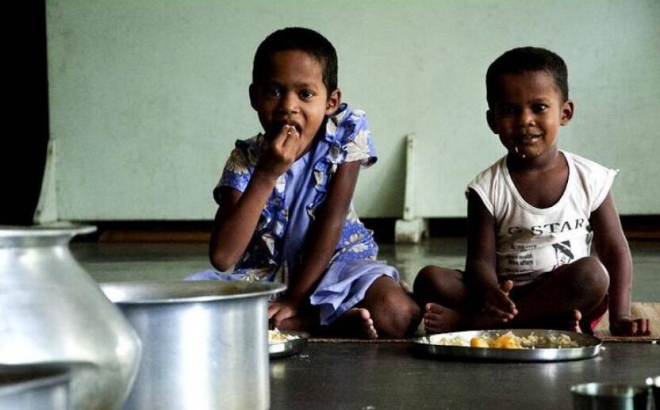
[(109, 262), (389, 375), (384, 376)]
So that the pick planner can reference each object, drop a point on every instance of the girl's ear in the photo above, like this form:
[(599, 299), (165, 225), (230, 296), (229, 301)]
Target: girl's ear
[(490, 117), (567, 112), (334, 99), (253, 96)]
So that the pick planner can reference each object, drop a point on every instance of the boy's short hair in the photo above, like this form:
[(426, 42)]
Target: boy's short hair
[(522, 59), (302, 39)]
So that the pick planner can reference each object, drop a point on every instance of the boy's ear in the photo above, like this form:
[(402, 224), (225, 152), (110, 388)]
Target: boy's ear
[(334, 99), (567, 112), (491, 121), (253, 96)]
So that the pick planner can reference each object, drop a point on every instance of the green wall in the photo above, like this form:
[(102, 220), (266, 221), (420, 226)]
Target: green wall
[(148, 96)]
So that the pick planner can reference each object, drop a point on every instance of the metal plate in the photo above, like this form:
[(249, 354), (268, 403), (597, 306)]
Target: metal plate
[(289, 347), (588, 346)]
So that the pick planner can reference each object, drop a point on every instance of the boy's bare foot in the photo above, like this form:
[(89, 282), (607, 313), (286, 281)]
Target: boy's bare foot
[(439, 319), (574, 323), (356, 322), (569, 322)]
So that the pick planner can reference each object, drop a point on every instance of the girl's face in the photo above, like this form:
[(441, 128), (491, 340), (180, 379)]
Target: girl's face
[(293, 93), (526, 113)]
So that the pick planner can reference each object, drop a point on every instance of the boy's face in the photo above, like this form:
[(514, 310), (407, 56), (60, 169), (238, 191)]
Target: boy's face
[(526, 112), (292, 92)]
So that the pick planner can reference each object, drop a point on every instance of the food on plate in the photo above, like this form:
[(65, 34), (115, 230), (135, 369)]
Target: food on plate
[(275, 336), (507, 340), (478, 342)]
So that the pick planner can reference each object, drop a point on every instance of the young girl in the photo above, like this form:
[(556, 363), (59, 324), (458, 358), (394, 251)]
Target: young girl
[(532, 217), (285, 200)]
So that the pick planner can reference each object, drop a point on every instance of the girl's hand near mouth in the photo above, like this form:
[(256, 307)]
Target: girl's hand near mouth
[(282, 151)]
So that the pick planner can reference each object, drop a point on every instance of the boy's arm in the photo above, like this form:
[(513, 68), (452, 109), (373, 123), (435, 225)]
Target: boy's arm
[(481, 259), (322, 239), (613, 251)]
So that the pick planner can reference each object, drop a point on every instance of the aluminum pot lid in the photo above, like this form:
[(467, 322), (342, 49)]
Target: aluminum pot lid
[(187, 291)]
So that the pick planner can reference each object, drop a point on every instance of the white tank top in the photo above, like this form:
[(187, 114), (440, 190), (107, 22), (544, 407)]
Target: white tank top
[(530, 240)]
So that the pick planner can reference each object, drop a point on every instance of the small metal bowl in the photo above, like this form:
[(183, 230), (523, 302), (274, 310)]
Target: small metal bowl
[(610, 396)]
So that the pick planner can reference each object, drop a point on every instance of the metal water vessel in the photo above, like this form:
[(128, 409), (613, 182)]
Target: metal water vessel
[(53, 312)]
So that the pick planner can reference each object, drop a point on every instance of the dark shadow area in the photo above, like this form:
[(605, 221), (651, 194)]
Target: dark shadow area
[(25, 144)]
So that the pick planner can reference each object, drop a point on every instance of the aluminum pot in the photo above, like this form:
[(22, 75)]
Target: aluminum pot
[(38, 387), (52, 311), (205, 343)]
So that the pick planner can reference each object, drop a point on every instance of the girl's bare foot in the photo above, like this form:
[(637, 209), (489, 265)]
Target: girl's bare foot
[(297, 323), (356, 322), (439, 319)]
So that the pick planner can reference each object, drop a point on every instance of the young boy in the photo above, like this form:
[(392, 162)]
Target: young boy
[(532, 217)]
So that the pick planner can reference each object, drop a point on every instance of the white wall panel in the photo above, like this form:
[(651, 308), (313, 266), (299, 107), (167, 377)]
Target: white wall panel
[(147, 96)]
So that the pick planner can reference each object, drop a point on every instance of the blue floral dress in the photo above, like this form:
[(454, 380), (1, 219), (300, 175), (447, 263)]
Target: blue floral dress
[(274, 250)]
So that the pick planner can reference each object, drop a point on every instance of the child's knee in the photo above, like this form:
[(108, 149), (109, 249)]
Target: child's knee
[(590, 274), (427, 277), (423, 276)]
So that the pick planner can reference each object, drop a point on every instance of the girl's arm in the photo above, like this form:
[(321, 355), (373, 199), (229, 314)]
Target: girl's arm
[(613, 251), (236, 220), (481, 259), (238, 214), (322, 239)]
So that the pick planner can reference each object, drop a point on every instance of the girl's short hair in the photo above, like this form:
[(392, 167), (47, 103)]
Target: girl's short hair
[(522, 59), (302, 39)]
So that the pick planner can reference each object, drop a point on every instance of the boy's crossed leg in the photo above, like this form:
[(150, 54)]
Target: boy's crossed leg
[(570, 298)]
